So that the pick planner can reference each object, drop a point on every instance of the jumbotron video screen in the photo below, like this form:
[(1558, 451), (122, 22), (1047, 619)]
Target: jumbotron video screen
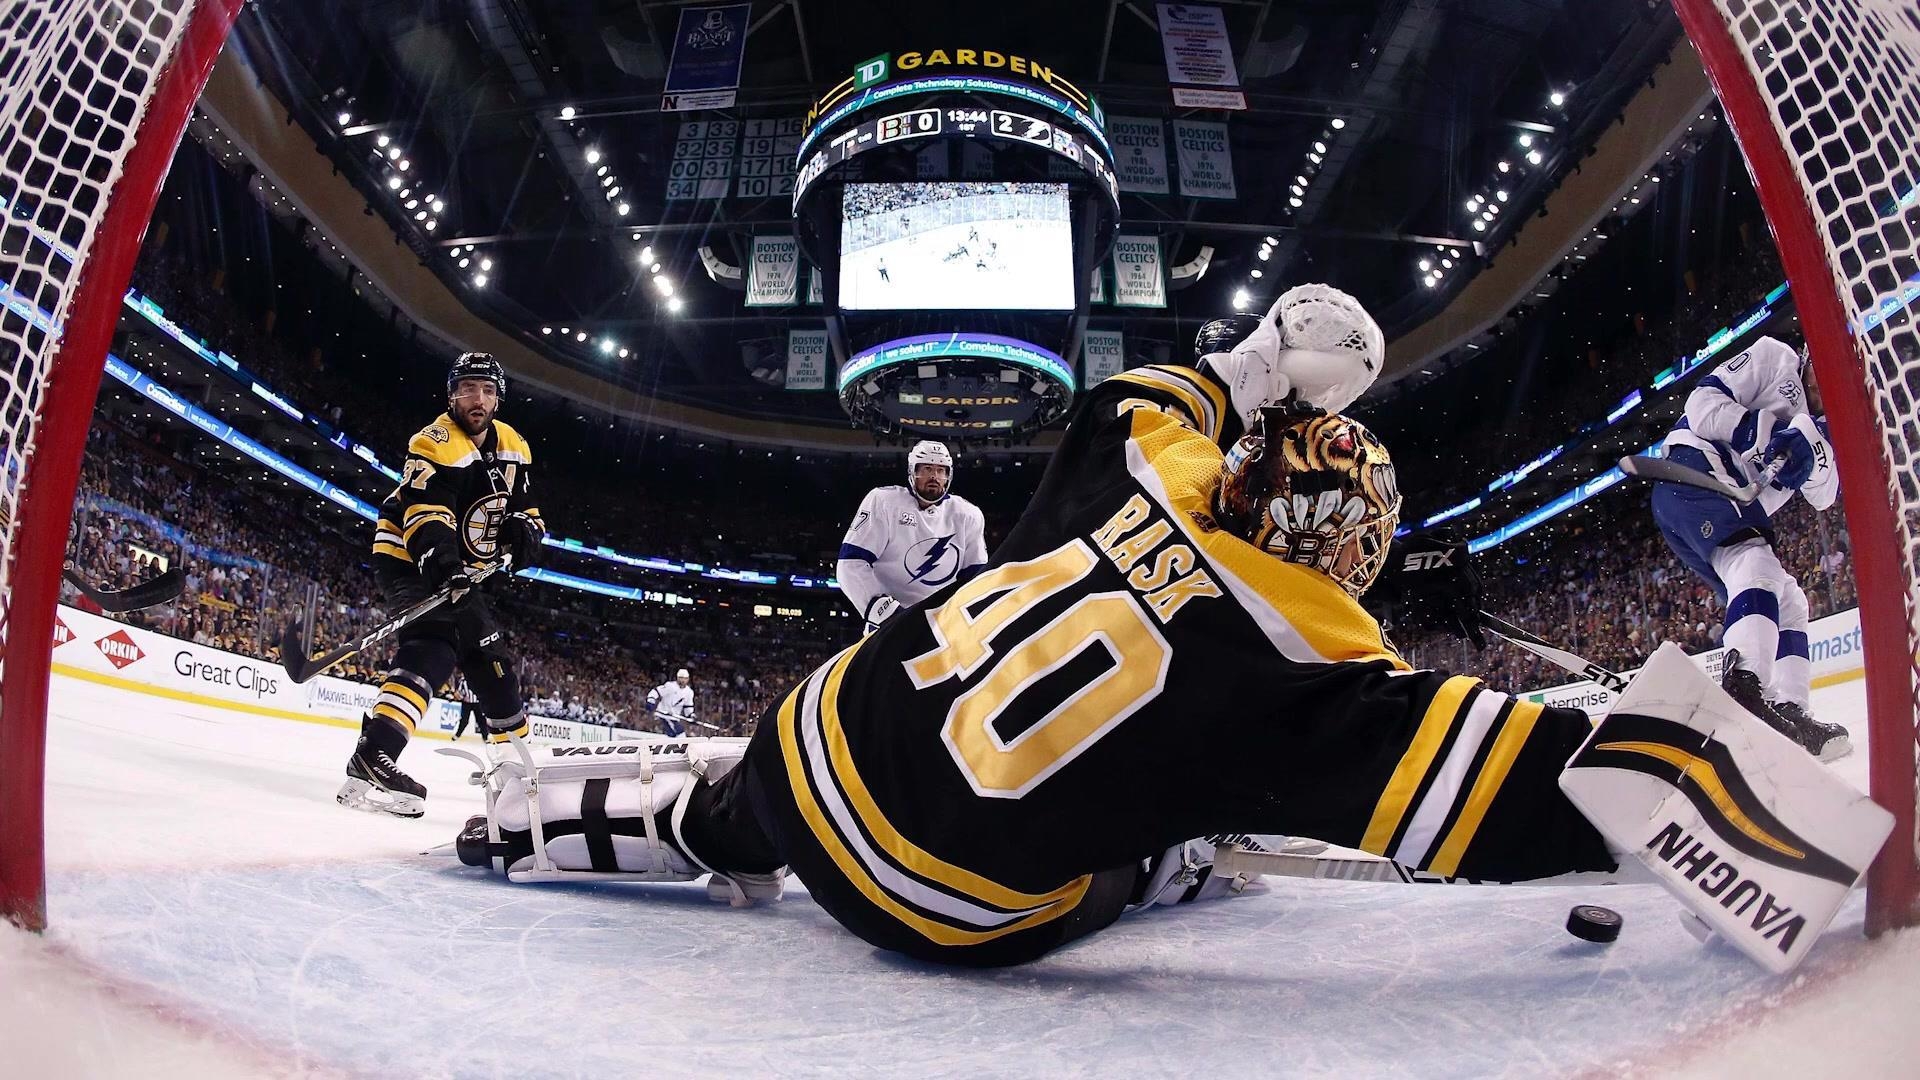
[(963, 246)]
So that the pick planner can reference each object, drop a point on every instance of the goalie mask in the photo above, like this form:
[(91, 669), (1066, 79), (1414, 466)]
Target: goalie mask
[(1312, 489)]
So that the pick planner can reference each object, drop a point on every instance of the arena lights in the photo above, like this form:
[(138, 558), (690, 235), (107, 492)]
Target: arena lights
[(607, 346), (464, 261), (1241, 299), (1336, 123), (646, 253), (382, 140), (343, 119), (582, 336), (479, 281), (546, 330), (1556, 99), (567, 112), (1534, 157), (593, 155), (622, 209), (393, 183), (673, 304)]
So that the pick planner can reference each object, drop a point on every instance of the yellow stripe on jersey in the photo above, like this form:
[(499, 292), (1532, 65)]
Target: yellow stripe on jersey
[(1442, 712), (1493, 773), (510, 445), (1204, 403), (398, 551), (857, 875), (443, 443), (1181, 469), (905, 851)]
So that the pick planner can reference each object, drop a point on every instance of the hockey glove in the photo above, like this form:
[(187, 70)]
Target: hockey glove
[(1430, 576), (882, 608), (523, 536), (1791, 446), (444, 571)]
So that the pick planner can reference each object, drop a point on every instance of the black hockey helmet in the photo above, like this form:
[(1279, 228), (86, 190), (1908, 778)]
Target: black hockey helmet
[(478, 365), (1221, 335)]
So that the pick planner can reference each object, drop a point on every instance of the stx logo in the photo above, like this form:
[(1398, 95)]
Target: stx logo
[(1429, 560), (119, 649), (61, 635)]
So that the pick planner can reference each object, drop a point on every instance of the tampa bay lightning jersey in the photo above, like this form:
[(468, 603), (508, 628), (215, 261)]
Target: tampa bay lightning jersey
[(916, 550), (1734, 412)]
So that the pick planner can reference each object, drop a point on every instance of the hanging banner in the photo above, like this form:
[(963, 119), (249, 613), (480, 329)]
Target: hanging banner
[(816, 289), (767, 149), (1104, 356), (1138, 280), (1206, 162), (1139, 153), (773, 273), (1097, 293), (707, 50), (806, 359), (1199, 54), (702, 166)]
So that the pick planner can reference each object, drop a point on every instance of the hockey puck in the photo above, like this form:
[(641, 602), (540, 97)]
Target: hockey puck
[(1591, 923)]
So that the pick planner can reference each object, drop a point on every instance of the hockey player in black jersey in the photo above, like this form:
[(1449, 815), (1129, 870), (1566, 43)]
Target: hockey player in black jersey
[(462, 502)]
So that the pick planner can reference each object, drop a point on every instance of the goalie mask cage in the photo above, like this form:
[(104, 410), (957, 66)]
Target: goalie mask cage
[(1824, 98), (94, 96)]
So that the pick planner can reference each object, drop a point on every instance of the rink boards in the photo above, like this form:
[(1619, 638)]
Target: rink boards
[(1833, 646), (99, 650)]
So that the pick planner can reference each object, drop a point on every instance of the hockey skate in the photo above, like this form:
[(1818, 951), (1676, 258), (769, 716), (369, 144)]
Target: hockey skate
[(376, 785), (1744, 688), (1828, 742)]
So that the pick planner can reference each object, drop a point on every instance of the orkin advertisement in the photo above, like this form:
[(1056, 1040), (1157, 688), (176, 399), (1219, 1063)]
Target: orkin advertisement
[(86, 644), (1833, 645)]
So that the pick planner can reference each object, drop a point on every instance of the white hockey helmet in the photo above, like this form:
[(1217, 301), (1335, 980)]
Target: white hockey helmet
[(681, 674), (929, 452), (1316, 344)]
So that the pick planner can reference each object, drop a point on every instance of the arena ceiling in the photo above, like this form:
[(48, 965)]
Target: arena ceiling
[(527, 127)]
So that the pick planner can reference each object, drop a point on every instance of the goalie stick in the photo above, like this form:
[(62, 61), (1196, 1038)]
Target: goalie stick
[(1553, 654), (163, 588), (1662, 471), (1236, 861), (301, 667)]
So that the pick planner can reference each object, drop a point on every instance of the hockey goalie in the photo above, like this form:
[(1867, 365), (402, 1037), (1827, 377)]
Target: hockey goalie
[(1169, 645)]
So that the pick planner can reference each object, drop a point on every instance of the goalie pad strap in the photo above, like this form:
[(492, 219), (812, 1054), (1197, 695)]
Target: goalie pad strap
[(595, 826)]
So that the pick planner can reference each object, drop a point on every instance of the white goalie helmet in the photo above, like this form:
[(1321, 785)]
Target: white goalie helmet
[(1316, 344)]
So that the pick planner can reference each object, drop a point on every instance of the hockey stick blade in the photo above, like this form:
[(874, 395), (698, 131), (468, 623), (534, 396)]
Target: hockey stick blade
[(163, 588), (1661, 471), (1553, 654), (301, 667), (1235, 861)]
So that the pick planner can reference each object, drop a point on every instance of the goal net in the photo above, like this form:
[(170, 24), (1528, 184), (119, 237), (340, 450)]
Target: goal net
[(1824, 97), (94, 95)]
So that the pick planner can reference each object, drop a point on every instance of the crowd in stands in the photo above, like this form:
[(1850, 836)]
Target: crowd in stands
[(1606, 586)]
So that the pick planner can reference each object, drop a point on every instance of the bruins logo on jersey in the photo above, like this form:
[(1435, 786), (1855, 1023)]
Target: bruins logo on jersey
[(482, 526)]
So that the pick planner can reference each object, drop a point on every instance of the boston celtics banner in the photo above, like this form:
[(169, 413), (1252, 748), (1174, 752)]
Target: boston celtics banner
[(806, 359), (1138, 279), (773, 275), (1105, 356)]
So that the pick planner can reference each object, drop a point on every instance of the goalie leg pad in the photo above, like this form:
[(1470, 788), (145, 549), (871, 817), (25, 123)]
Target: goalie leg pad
[(1741, 825), (595, 810)]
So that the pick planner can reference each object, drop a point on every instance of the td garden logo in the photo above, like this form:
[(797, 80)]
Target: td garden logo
[(119, 649)]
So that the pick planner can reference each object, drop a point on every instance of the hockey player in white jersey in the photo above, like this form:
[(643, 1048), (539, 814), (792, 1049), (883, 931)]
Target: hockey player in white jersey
[(909, 541), (1756, 410), (672, 703)]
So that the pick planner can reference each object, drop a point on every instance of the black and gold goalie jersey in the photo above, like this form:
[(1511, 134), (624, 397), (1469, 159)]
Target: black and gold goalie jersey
[(1124, 676), (452, 490)]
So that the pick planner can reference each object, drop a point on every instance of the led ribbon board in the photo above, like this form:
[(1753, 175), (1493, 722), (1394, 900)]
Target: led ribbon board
[(968, 122), (959, 383)]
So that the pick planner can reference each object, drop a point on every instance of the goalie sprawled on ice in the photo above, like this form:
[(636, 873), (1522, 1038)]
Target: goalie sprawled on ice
[(1168, 645)]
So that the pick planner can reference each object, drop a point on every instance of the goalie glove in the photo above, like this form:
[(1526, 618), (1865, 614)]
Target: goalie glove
[(1430, 577), (882, 608)]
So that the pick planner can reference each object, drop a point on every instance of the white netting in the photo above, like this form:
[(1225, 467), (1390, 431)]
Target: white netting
[(75, 79), (1841, 79)]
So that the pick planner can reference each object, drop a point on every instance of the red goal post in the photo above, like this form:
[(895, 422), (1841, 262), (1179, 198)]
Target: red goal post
[(1824, 98), (94, 96)]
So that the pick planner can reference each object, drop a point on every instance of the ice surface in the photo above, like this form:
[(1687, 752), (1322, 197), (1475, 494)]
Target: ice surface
[(215, 914)]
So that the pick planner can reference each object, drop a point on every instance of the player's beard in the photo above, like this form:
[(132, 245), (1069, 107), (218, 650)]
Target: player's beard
[(929, 491), (464, 415)]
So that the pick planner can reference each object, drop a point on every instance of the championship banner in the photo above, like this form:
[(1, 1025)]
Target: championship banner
[(1199, 54), (816, 288), (1139, 153), (1097, 292), (1206, 162), (773, 273), (806, 359), (1104, 355), (707, 50), (1138, 280)]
